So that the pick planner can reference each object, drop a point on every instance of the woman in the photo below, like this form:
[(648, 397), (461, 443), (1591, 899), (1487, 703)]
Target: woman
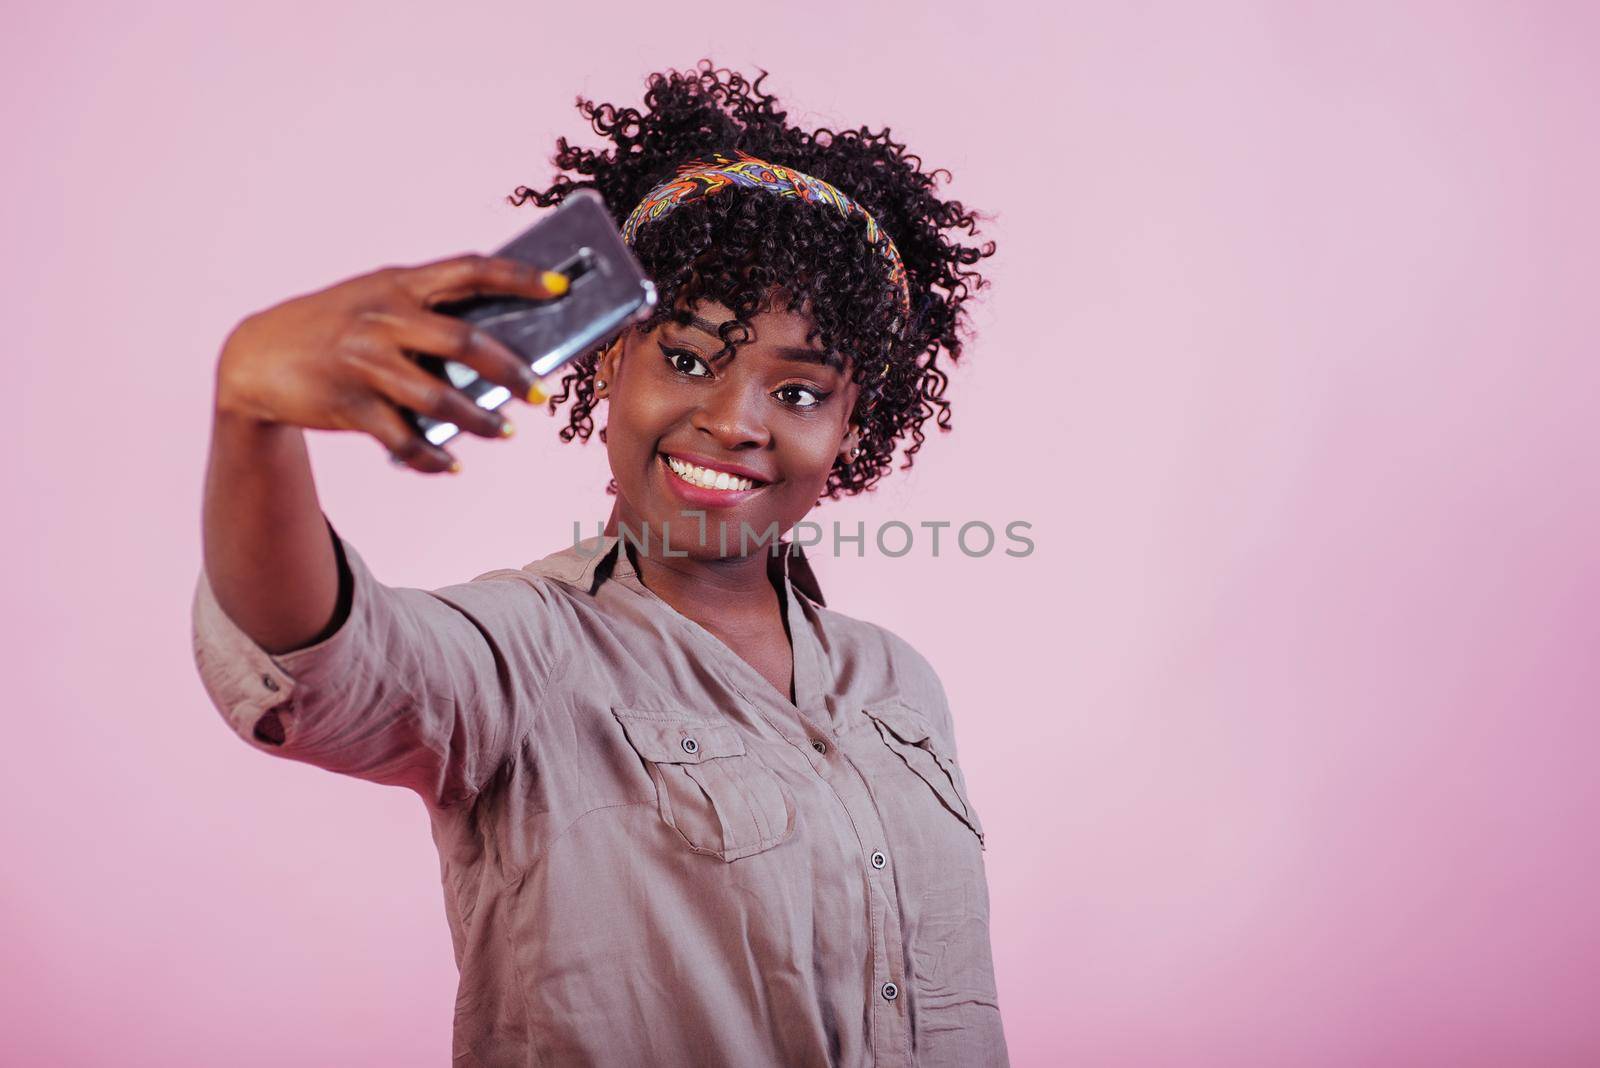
[(686, 814)]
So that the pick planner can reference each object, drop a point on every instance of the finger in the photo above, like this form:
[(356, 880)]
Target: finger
[(404, 383), (404, 444), (461, 277), (461, 341)]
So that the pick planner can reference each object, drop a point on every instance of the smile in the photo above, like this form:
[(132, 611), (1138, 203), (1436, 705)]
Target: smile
[(707, 479)]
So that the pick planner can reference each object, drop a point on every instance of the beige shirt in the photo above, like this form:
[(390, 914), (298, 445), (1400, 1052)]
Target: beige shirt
[(650, 856)]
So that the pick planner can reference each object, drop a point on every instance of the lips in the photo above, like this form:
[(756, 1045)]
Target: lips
[(714, 467), (705, 487)]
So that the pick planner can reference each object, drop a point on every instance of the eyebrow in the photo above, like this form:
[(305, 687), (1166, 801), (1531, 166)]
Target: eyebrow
[(790, 352)]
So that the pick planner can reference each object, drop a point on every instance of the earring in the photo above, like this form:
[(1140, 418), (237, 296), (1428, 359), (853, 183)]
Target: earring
[(855, 450), (599, 387)]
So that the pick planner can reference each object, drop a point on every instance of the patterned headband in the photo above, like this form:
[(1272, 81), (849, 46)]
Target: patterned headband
[(718, 172)]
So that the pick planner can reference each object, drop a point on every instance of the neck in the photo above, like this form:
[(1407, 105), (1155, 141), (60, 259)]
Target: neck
[(718, 593)]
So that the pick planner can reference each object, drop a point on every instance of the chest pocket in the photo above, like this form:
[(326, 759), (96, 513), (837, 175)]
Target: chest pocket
[(722, 800), (908, 733)]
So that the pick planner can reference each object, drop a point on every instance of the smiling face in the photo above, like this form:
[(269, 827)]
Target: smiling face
[(746, 440)]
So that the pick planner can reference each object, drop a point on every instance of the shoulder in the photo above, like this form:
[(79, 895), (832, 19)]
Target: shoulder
[(553, 576), (510, 596), (911, 676)]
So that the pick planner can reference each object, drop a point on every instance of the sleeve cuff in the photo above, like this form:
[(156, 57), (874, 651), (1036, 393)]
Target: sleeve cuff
[(247, 684)]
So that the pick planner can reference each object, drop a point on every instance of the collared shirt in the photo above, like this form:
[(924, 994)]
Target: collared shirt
[(649, 854)]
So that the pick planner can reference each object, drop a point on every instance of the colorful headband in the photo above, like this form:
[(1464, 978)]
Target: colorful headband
[(718, 172)]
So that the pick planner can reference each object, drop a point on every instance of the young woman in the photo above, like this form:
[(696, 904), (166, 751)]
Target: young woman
[(686, 814)]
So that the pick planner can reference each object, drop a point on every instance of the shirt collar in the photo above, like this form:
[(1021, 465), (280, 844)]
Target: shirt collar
[(592, 561)]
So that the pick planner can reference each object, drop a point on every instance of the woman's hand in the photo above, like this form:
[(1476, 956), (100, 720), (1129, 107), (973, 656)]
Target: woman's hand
[(336, 359)]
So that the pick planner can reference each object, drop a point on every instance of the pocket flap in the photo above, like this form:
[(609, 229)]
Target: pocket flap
[(907, 723), (909, 733), (663, 739)]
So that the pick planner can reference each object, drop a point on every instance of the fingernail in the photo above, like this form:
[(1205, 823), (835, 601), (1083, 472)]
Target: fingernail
[(507, 428), (555, 282), (536, 393), (455, 467)]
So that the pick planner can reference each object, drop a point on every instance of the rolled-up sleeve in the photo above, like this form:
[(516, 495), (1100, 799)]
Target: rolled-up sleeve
[(430, 690)]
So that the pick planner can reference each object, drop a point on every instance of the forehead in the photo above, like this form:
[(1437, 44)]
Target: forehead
[(774, 327), (777, 334)]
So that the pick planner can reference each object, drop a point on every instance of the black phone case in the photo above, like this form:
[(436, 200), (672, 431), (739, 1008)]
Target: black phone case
[(608, 291)]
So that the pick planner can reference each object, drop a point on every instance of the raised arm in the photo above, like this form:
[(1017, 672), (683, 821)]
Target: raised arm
[(305, 653), (336, 360)]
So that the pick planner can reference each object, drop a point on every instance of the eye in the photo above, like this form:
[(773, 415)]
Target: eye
[(684, 362), (807, 396)]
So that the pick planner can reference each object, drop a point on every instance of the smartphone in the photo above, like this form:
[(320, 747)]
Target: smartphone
[(608, 291)]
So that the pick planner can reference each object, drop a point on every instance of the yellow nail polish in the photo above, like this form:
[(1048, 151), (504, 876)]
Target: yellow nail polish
[(555, 282), (536, 394), (455, 467)]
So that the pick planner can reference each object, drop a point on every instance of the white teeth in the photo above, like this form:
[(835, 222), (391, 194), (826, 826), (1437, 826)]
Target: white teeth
[(700, 476)]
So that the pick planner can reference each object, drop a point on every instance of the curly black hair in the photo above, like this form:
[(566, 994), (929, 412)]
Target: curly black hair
[(745, 250)]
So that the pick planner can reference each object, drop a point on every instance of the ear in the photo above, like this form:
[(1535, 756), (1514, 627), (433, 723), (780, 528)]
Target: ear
[(852, 438), (610, 362)]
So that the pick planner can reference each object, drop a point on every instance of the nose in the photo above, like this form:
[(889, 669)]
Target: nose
[(731, 414)]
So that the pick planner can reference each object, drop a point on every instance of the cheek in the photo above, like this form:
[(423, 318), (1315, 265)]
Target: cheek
[(636, 418), (819, 457), (811, 459)]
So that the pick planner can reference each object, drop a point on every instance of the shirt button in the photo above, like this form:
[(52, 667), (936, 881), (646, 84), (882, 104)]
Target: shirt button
[(270, 683), (819, 745), (691, 746), (878, 859), (890, 991)]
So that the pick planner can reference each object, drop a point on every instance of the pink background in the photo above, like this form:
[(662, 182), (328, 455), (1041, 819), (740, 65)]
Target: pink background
[(1285, 732)]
